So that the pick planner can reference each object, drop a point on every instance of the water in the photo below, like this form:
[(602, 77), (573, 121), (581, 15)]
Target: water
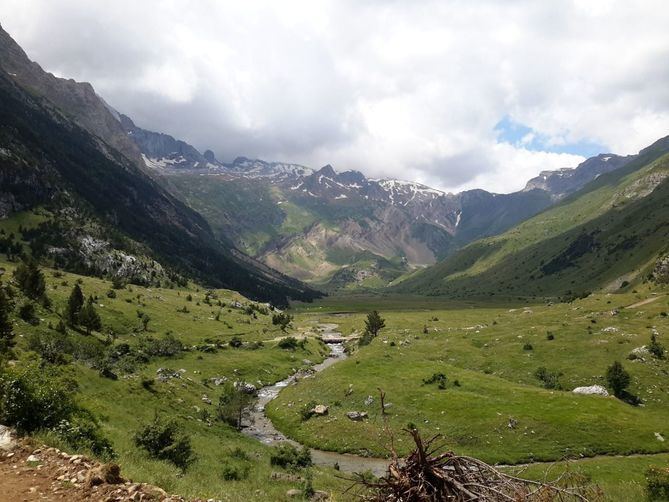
[(257, 425)]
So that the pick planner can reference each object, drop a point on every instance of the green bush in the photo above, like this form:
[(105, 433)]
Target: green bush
[(162, 440), (82, 432), (33, 398), (289, 457), (168, 346), (438, 378), (550, 379), (657, 483), (234, 473), (282, 320), (289, 343), (53, 347)]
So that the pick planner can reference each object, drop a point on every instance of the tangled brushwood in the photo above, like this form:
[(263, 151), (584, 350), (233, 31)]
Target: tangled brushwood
[(427, 475)]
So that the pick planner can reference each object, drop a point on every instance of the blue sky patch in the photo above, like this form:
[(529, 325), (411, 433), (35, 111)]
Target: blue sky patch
[(522, 136)]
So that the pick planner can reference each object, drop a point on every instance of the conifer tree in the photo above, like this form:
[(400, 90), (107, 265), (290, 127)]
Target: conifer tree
[(74, 305)]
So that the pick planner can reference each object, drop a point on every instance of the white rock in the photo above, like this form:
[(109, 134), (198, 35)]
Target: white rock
[(597, 390)]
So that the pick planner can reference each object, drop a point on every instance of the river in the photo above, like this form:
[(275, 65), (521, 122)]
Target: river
[(257, 425)]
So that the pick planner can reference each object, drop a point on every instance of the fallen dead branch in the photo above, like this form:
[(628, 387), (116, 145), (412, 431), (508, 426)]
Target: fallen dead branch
[(430, 474)]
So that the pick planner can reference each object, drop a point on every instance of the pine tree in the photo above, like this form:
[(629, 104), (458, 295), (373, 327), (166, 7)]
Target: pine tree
[(74, 305), (6, 332), (374, 323), (89, 318), (30, 280)]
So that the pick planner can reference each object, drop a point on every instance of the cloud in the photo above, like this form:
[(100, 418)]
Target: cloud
[(413, 90)]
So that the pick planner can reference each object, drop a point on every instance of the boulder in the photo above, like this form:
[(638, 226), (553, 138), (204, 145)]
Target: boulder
[(7, 440), (320, 409), (596, 390), (356, 416), (294, 493)]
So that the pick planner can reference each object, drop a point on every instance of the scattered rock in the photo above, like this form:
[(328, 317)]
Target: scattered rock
[(356, 416), (369, 400), (659, 437), (32, 458), (320, 409), (512, 423), (206, 399), (293, 493), (596, 390), (106, 473), (246, 388), (285, 476)]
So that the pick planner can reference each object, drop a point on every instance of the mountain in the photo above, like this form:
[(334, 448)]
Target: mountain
[(612, 233), (77, 100), (162, 151), (102, 212), (565, 181), (343, 229)]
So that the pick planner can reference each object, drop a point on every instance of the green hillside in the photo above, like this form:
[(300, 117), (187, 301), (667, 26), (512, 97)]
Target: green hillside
[(605, 236)]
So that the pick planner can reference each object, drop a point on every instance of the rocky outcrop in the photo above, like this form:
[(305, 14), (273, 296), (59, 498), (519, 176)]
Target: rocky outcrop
[(592, 390)]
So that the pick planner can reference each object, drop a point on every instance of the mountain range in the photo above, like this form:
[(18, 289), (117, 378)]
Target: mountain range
[(341, 229)]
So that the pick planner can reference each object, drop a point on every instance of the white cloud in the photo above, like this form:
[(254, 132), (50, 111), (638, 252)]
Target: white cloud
[(404, 89)]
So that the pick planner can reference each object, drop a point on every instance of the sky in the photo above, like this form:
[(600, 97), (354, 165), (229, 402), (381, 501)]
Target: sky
[(454, 94)]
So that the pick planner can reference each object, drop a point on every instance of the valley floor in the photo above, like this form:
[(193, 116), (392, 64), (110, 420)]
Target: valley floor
[(491, 405)]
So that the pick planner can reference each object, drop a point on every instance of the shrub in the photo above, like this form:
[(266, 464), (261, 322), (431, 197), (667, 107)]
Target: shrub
[(550, 379), (438, 378), (232, 403), (82, 432), (33, 398), (550, 336), (655, 348), (168, 346), (289, 343), (657, 483), (282, 320), (163, 441), (617, 378), (234, 472), (6, 328), (367, 338), (528, 346), (52, 347), (289, 457), (239, 454), (111, 294)]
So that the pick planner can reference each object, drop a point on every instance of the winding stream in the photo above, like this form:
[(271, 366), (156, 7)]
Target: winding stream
[(257, 425)]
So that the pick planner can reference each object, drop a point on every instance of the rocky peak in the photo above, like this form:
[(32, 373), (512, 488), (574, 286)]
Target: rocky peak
[(327, 170)]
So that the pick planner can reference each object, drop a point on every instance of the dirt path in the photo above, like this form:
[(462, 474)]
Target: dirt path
[(644, 302), (29, 473)]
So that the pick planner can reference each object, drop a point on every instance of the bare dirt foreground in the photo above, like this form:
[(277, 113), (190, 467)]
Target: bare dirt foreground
[(29, 473)]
